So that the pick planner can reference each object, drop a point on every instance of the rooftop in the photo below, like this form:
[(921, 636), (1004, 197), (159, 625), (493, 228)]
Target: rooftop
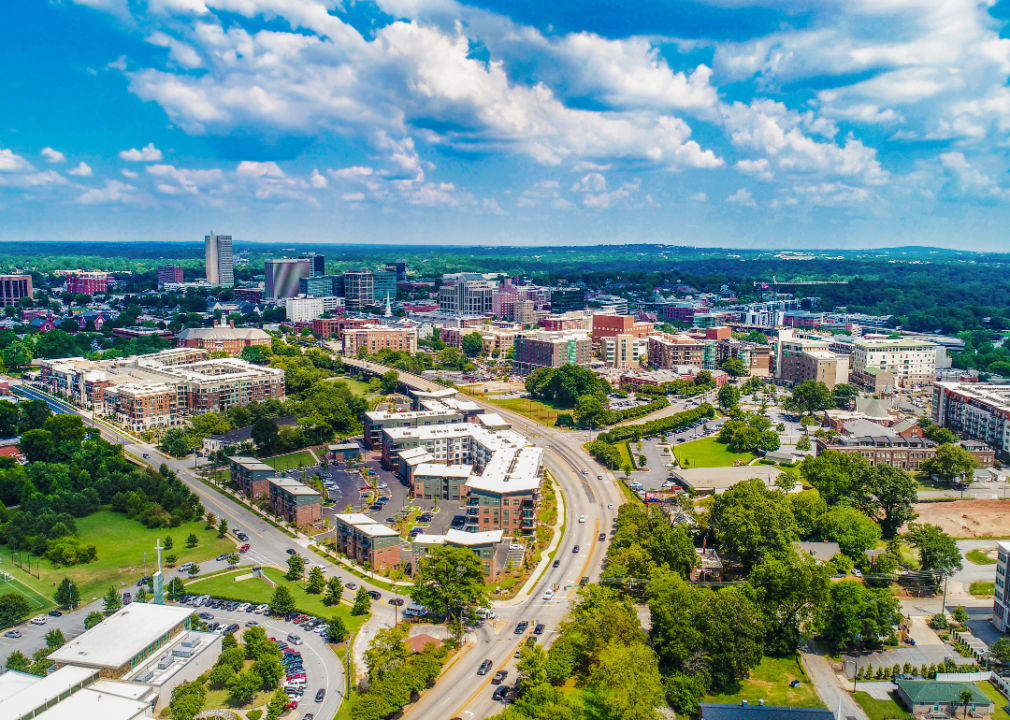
[(21, 693), (117, 639), (930, 691), (294, 487), (902, 343), (461, 537), (716, 711), (92, 705)]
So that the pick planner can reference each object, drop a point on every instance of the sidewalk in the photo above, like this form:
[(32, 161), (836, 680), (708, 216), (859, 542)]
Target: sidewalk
[(545, 556), (827, 683)]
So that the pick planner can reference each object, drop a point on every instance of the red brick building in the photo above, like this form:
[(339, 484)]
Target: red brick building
[(325, 327), (614, 325), (372, 544), (295, 502)]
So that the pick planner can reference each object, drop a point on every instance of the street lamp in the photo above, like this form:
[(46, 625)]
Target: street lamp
[(855, 669)]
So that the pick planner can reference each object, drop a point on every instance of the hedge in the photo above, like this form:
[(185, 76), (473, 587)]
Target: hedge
[(656, 427)]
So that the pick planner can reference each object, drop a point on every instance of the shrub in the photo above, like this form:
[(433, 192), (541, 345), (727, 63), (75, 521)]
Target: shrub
[(254, 714)]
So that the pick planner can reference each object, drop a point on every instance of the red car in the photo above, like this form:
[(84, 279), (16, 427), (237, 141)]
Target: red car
[(293, 705), (244, 548)]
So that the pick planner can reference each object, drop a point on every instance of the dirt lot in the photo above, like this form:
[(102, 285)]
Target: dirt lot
[(968, 518)]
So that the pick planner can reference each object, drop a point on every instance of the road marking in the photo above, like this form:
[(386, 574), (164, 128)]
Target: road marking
[(487, 681), (589, 560)]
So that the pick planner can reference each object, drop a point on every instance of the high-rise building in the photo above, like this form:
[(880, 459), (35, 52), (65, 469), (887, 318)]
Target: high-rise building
[(466, 294), (14, 287), (564, 299), (359, 288), (169, 274), (220, 270), (317, 263), (399, 267), (383, 285), (1001, 606), (912, 362), (283, 276)]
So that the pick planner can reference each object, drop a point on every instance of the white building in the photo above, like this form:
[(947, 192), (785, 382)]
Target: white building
[(624, 351), (466, 294), (304, 309), (1001, 605), (219, 268), (911, 362)]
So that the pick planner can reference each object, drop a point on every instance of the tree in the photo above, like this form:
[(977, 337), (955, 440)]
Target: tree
[(316, 581), (17, 354), (684, 692), (449, 581), (937, 550), (168, 542), (222, 528), (269, 669), (187, 700), (834, 474), (38, 445), (809, 397), (750, 520), (803, 443), (258, 354), (171, 559), (281, 602), (734, 366), (889, 491), (193, 569), (334, 590), (362, 602), (243, 687), (94, 617), (387, 652), (390, 381), (590, 412), (1000, 651), (472, 344), (174, 443), (55, 639), (265, 433), (67, 593), (336, 631), (966, 700), (17, 660), (278, 703), (34, 414), (729, 396), (949, 462), (853, 611), (851, 529), (192, 541), (789, 590), (296, 567), (844, 395), (175, 588), (220, 675), (629, 682), (141, 595), (233, 559), (113, 601)]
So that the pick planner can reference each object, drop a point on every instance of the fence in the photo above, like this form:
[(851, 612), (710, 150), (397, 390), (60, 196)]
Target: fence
[(965, 677)]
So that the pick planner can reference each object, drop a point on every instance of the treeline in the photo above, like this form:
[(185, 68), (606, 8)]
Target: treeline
[(591, 412), (657, 427), (566, 385), (395, 674)]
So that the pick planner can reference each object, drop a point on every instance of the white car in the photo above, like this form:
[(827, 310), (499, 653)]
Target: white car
[(549, 595), (243, 607), (611, 506), (582, 518), (40, 620), (515, 546)]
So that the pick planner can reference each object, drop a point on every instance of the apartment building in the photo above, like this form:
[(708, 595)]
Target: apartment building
[(798, 359), (325, 327), (377, 337), (377, 421), (975, 411), (767, 314), (756, 357), (525, 313), (251, 475), (89, 283), (295, 502), (911, 362), (303, 309), (170, 274), (882, 449), (542, 349), (1001, 603), (491, 548), (222, 338), (15, 287), (624, 351), (466, 294), (372, 544), (614, 325), (682, 312), (492, 338), (573, 320), (162, 389), (667, 351)]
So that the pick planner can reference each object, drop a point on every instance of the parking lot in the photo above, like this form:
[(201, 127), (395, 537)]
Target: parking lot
[(658, 459)]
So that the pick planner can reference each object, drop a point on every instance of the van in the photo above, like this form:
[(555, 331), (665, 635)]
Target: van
[(485, 613)]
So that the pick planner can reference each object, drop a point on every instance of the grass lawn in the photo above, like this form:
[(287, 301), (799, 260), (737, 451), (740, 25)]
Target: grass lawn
[(626, 458), (255, 590), (355, 386), (979, 558), (121, 544), (997, 697), (881, 709), (291, 460), (541, 412), (982, 589), (707, 452), (770, 681)]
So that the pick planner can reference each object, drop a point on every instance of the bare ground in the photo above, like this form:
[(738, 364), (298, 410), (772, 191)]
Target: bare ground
[(968, 518)]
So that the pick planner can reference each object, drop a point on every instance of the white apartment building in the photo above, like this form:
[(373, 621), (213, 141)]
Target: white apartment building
[(978, 411), (304, 309), (911, 362), (1001, 604), (624, 351)]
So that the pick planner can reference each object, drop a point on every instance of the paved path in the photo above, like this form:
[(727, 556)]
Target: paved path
[(827, 684)]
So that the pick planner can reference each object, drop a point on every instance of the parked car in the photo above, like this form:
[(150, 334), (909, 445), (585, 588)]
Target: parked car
[(374, 595), (539, 629), (244, 548), (57, 613), (294, 639), (500, 693), (15, 634), (289, 551), (40, 620)]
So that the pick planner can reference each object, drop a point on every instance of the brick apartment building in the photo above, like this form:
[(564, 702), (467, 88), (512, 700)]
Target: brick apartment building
[(491, 548), (294, 501), (756, 358), (541, 349), (15, 287), (800, 359), (170, 274), (883, 449), (377, 337), (667, 351), (325, 327), (251, 475), (682, 313), (222, 338), (89, 283), (372, 544), (613, 325)]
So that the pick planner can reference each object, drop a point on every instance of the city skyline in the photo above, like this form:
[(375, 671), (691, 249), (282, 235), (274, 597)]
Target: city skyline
[(684, 123)]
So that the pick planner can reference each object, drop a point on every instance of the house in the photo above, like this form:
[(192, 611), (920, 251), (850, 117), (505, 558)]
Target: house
[(907, 428), (709, 567), (820, 551), (418, 642), (932, 699), (343, 452), (760, 711)]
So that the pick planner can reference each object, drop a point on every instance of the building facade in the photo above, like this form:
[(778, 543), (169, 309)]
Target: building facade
[(303, 309), (219, 261), (667, 351), (283, 275), (294, 501), (89, 283), (565, 299), (466, 294), (975, 411), (372, 544), (543, 349), (15, 287), (912, 362), (222, 338), (252, 476), (170, 274), (377, 337), (1001, 603), (614, 325)]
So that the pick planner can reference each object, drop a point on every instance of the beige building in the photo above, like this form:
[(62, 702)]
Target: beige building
[(525, 312), (799, 359), (222, 338), (911, 362), (624, 351), (377, 337)]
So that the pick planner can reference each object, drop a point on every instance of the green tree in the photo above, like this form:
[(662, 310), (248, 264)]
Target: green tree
[(233, 559), (94, 617), (809, 397), (967, 699), (194, 569), (168, 542), (937, 550), (808, 506), (112, 602), (334, 590), (388, 651), (835, 475), (171, 559), (187, 700), (55, 639), (174, 443), (269, 669), (258, 354), (887, 495), (278, 703), (390, 381), (734, 366), (220, 675), (316, 581), (265, 433), (729, 396), (449, 581), (852, 530), (281, 602), (362, 602), (296, 567), (789, 590), (222, 528), (336, 631), (854, 611), (684, 692), (1000, 651), (175, 588), (949, 462), (38, 445), (750, 520), (18, 661), (628, 681), (844, 395), (472, 344), (243, 687), (257, 644), (803, 443), (192, 541), (590, 412), (17, 354), (532, 666), (67, 593)]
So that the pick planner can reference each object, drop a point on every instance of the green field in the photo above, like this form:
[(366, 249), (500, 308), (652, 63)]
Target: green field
[(708, 452), (997, 697), (290, 461), (257, 591), (880, 709), (541, 412), (121, 544), (38, 601), (978, 557), (355, 386), (982, 589), (770, 681)]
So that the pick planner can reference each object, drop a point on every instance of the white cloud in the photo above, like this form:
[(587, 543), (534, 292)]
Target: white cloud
[(149, 153), (353, 197), (967, 180), (318, 180), (82, 170), (53, 156), (742, 197), (175, 181), (113, 192), (250, 168), (9, 162), (758, 168), (594, 191), (130, 174), (183, 54), (491, 205), (699, 197), (543, 190)]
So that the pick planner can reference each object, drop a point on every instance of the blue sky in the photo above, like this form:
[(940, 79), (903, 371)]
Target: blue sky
[(725, 123)]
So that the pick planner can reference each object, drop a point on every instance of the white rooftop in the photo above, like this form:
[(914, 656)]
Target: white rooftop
[(423, 539), (493, 420), (367, 525), (117, 639), (442, 470), (461, 537), (92, 705), (24, 693), (356, 519)]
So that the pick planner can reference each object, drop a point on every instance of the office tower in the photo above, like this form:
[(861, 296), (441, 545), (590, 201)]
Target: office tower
[(283, 276), (219, 260), (359, 288), (466, 294), (317, 263), (383, 285), (14, 287), (399, 267)]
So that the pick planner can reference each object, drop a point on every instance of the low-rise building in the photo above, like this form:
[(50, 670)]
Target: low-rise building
[(343, 452), (709, 567), (303, 309), (222, 338), (911, 362), (372, 544), (490, 547), (933, 699), (378, 337), (543, 349), (882, 448), (295, 501), (252, 476)]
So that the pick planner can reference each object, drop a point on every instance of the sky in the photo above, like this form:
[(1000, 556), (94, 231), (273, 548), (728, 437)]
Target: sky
[(799, 124)]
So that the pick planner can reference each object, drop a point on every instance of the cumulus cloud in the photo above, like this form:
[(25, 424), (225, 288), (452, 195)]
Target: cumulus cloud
[(699, 197), (149, 153), (82, 170), (114, 191), (53, 156), (742, 197), (967, 180), (594, 191), (10, 162)]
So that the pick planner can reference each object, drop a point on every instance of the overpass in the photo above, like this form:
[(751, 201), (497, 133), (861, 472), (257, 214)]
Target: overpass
[(414, 382)]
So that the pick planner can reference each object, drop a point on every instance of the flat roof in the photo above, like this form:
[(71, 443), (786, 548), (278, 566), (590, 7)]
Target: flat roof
[(461, 537), (900, 343), (442, 470), (493, 420), (423, 539), (117, 639), (723, 478), (367, 525), (250, 463), (92, 705), (13, 682), (32, 694), (355, 519), (292, 486)]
